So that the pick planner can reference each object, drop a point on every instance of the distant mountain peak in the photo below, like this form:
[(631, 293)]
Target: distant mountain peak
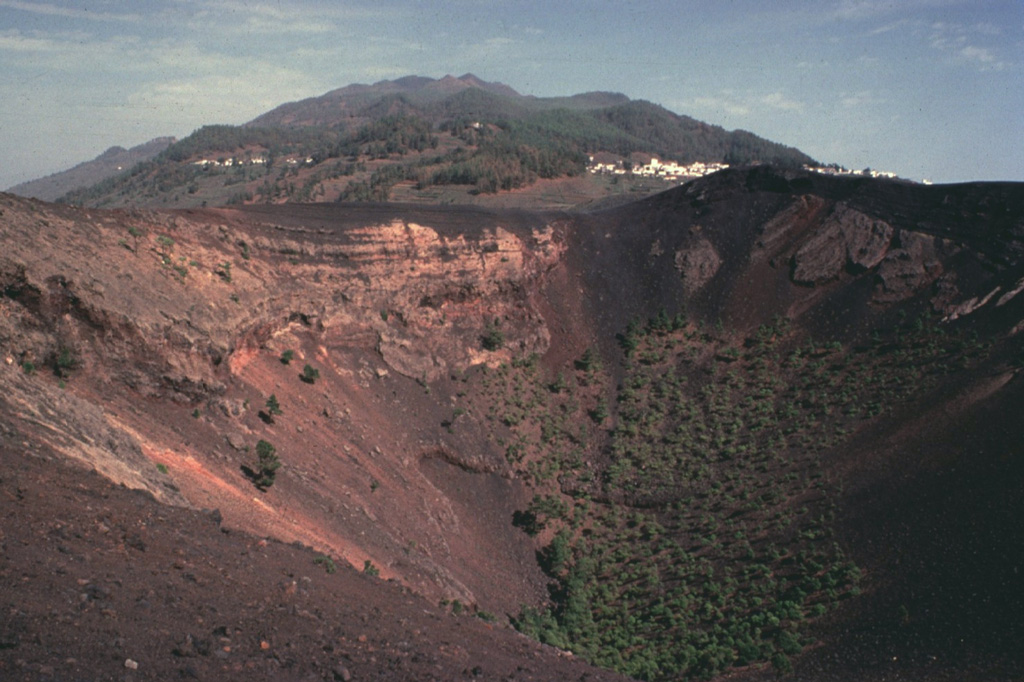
[(452, 84), (111, 152)]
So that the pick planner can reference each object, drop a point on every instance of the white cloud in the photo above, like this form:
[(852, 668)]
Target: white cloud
[(48, 9), (858, 10), (778, 100), (980, 54), (960, 43), (231, 17), (730, 103), (16, 41), (720, 103), (212, 98), (858, 100), (63, 53), (241, 18), (887, 28), (498, 42)]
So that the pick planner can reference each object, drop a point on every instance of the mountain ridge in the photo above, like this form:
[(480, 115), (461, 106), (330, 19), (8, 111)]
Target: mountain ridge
[(108, 164), (445, 140)]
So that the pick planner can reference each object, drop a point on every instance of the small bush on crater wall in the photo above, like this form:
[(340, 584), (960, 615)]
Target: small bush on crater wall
[(310, 374), (64, 361), (493, 337), (266, 469)]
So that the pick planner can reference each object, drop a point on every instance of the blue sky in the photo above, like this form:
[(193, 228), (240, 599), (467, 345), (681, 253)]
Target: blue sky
[(925, 88)]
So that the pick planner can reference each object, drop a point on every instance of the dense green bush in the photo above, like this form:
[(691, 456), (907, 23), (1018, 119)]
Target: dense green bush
[(267, 465), (310, 374), (493, 338)]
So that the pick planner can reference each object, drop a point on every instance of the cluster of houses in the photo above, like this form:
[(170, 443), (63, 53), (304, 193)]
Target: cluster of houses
[(867, 172), (839, 170), (609, 164), (253, 161), (665, 170)]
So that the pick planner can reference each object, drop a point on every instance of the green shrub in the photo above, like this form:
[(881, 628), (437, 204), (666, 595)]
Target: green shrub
[(268, 465), (287, 357), (325, 561), (781, 664), (493, 338), (589, 361), (370, 569), (64, 361), (310, 374)]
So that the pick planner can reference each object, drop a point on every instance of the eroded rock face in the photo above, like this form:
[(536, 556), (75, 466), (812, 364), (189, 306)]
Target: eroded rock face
[(177, 322), (847, 240), (780, 229), (80, 430), (168, 302), (428, 298), (913, 264), (421, 299), (697, 264)]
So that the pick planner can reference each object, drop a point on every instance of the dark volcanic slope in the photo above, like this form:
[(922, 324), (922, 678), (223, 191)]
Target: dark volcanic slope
[(932, 494), (734, 239), (451, 221)]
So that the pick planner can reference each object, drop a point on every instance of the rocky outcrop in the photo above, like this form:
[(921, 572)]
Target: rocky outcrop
[(905, 262), (697, 264), (81, 431), (786, 225), (847, 240), (168, 302), (913, 263)]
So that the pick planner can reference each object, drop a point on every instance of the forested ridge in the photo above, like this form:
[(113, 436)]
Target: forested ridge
[(475, 139)]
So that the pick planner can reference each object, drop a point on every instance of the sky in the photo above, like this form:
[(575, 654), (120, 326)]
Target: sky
[(928, 89)]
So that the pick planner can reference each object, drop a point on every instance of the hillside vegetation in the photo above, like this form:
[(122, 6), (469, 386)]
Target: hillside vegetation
[(690, 518), (476, 139)]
